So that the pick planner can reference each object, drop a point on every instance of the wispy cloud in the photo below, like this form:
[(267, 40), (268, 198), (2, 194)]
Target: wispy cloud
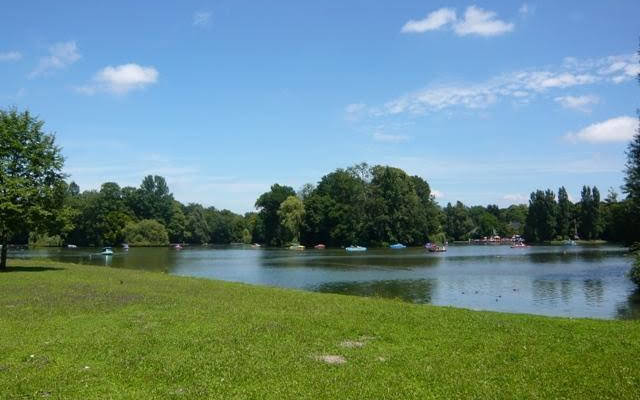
[(10, 56), (519, 86), (579, 103), (61, 55), (480, 22), (620, 129), (434, 21), (389, 138), (475, 21), (121, 79), (202, 18), (437, 194)]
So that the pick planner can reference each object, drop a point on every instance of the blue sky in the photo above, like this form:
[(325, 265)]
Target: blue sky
[(486, 100)]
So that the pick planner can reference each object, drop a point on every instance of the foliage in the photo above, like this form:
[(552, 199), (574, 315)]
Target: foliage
[(31, 182), (458, 224), (541, 219), (291, 213), (269, 205), (590, 225), (147, 232), (565, 215)]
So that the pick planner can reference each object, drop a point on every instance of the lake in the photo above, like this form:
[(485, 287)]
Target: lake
[(572, 281)]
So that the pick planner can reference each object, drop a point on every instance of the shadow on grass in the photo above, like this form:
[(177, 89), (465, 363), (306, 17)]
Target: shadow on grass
[(30, 269)]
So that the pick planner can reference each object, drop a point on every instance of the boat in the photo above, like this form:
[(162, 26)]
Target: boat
[(296, 247), (125, 246), (434, 248), (397, 246), (256, 245), (71, 246), (570, 242), (320, 246), (519, 245), (177, 247), (106, 251), (356, 248)]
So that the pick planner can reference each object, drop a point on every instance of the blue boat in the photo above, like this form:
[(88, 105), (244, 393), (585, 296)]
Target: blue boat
[(398, 246), (356, 248)]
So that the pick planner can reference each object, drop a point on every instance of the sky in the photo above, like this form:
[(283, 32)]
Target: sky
[(487, 101)]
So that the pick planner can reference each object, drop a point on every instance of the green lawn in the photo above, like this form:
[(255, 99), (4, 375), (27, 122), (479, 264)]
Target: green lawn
[(70, 331)]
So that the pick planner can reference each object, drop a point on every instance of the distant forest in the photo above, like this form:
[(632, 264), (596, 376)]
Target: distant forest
[(366, 205)]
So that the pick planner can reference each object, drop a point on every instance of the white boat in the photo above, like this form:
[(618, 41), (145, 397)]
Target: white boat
[(398, 246), (107, 251), (296, 247), (356, 248), (125, 246), (71, 246)]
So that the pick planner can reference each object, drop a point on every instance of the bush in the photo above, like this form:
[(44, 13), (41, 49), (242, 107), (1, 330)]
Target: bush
[(147, 232)]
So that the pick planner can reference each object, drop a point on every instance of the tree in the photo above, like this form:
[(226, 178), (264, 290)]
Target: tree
[(291, 213), (154, 200), (269, 204), (458, 224), (196, 228), (565, 211), (32, 185), (147, 232), (541, 222), (590, 221)]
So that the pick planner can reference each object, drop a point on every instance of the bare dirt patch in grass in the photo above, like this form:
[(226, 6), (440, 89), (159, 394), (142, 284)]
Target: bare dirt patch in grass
[(331, 359), (352, 344)]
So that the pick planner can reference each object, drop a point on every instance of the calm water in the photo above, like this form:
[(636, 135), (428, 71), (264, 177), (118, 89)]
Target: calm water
[(571, 281)]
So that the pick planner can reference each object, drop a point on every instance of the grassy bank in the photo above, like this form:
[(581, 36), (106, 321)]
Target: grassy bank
[(69, 331)]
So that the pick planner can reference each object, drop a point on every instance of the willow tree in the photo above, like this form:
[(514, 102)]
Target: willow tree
[(31, 182)]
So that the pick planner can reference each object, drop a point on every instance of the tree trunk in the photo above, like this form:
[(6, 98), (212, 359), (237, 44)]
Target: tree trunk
[(3, 255)]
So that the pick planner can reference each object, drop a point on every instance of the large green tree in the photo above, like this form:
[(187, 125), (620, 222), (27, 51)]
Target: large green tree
[(32, 184), (541, 219), (269, 204), (291, 213)]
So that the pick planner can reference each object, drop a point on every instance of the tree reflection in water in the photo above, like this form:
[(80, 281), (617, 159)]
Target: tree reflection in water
[(410, 290)]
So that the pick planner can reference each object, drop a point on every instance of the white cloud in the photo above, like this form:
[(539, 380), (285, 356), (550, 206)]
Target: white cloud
[(389, 138), (480, 22), (10, 56), (437, 194), (435, 20), (515, 198), (519, 86), (476, 21), (620, 129), (61, 55), (202, 18), (121, 79), (579, 103)]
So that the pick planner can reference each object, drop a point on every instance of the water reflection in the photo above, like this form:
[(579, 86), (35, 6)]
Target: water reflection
[(415, 291), (571, 281), (593, 291)]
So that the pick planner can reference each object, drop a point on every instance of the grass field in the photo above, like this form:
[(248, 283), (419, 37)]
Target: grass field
[(82, 332)]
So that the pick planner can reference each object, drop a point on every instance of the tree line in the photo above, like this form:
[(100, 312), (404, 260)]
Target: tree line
[(367, 205)]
